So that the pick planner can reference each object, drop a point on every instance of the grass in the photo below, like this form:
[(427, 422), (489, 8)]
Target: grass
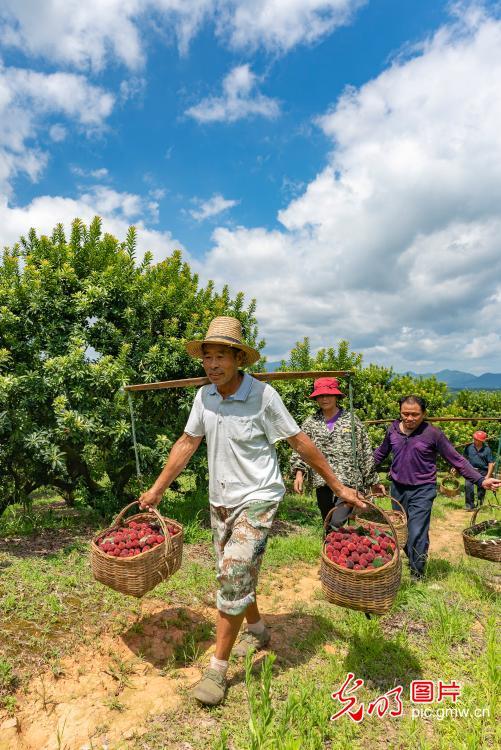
[(444, 628)]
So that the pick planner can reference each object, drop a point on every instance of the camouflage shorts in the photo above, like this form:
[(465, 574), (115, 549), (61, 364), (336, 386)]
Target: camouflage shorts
[(240, 535)]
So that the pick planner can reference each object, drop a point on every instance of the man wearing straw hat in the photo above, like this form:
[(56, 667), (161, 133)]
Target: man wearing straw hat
[(241, 419)]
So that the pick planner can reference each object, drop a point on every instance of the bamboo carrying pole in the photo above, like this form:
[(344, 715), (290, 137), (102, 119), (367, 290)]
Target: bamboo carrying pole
[(188, 382), (440, 419)]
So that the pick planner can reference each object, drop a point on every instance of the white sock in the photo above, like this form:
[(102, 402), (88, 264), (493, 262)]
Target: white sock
[(220, 664), (256, 627)]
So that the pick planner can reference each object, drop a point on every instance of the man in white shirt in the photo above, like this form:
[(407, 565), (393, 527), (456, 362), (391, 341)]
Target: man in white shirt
[(241, 419)]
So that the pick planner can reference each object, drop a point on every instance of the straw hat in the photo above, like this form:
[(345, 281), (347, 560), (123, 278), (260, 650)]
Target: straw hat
[(227, 331)]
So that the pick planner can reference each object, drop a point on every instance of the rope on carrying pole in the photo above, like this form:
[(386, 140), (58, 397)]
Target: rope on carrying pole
[(134, 441), (498, 456)]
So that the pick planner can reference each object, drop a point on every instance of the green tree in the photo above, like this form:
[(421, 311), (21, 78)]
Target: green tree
[(79, 318)]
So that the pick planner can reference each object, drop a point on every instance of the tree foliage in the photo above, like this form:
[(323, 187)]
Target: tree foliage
[(79, 318), (376, 391)]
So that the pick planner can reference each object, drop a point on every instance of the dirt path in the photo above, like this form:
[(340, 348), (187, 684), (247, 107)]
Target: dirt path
[(446, 535), (106, 692)]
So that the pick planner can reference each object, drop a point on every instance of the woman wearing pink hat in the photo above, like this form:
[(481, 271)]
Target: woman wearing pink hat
[(480, 457), (330, 430)]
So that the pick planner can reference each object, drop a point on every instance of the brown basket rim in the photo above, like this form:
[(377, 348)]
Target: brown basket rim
[(452, 480), (373, 571), (471, 534), (164, 519), (395, 557)]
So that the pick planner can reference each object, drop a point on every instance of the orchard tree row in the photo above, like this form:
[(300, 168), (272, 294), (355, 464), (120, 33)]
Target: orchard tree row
[(82, 316)]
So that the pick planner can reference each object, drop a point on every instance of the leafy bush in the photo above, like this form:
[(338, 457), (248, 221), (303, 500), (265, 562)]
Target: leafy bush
[(80, 318)]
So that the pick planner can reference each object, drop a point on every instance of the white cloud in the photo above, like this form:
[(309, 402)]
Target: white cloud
[(57, 132), (395, 244), (27, 100), (81, 34), (482, 346), (239, 100), (96, 174), (215, 205), (118, 211), (278, 26), (132, 88), (95, 33)]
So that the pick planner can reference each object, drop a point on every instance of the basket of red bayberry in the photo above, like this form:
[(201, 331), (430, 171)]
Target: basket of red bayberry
[(361, 567), (136, 555)]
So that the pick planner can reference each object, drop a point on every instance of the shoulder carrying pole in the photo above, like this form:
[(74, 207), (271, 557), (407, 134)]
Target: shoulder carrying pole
[(189, 382)]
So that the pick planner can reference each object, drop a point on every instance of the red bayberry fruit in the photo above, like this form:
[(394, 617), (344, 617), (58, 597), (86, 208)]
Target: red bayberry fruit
[(146, 548), (160, 538), (355, 556), (357, 566)]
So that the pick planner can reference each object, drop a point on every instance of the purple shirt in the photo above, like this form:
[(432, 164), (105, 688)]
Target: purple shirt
[(332, 421), (415, 455)]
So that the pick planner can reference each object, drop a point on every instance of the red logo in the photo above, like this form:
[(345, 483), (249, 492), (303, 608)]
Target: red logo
[(380, 706)]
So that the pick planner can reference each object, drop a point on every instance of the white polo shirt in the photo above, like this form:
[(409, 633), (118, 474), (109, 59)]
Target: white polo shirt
[(241, 431)]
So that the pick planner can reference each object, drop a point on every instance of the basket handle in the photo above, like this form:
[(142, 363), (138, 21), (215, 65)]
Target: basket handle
[(487, 505), (393, 500), (386, 518), (168, 542)]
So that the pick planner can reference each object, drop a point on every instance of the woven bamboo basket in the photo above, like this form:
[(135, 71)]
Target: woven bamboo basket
[(397, 516), (485, 549), (372, 590), (137, 575), (453, 489)]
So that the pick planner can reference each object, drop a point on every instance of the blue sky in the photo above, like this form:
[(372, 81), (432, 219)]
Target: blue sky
[(339, 160)]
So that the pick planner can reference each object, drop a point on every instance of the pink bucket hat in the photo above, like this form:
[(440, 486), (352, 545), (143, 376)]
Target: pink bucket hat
[(326, 387)]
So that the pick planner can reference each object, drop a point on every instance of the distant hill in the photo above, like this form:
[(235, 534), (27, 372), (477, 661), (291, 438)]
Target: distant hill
[(458, 380), (272, 366)]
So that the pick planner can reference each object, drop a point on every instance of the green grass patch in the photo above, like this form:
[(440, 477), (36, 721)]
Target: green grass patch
[(286, 550), (47, 513)]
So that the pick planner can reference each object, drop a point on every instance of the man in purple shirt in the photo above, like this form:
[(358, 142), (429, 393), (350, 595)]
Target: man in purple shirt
[(415, 444)]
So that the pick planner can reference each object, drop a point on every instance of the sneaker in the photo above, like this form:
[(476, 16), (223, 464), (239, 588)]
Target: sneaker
[(211, 689), (251, 642)]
